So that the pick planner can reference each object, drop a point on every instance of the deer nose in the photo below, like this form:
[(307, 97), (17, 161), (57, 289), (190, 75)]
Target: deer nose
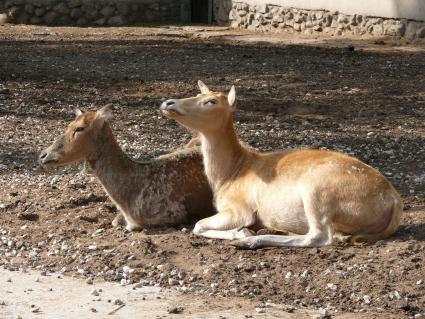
[(42, 157), (167, 103)]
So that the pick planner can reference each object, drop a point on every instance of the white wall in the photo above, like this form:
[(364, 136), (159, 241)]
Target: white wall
[(410, 9)]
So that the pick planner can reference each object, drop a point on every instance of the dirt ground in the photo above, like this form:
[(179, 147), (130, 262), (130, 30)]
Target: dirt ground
[(292, 93), (29, 295)]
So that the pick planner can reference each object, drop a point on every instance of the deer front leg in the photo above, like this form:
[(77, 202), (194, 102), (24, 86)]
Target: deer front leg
[(194, 142), (118, 220), (225, 225)]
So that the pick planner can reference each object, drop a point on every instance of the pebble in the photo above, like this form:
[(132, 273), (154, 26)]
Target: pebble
[(173, 282), (366, 299), (94, 292), (260, 310), (175, 310), (89, 281), (117, 302), (331, 286)]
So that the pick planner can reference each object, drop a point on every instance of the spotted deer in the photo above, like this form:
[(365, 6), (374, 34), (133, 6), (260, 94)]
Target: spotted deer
[(164, 191), (307, 194)]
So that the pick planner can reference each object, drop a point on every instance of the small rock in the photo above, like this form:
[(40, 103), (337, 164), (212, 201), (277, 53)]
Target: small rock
[(117, 302), (332, 286), (366, 299), (28, 216), (172, 282), (175, 310), (89, 281), (36, 310), (260, 310), (94, 292)]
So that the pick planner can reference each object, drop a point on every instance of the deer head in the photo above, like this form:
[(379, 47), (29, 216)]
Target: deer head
[(206, 111), (79, 140)]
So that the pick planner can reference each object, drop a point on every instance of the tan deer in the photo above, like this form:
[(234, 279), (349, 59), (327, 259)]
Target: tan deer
[(164, 191), (309, 193)]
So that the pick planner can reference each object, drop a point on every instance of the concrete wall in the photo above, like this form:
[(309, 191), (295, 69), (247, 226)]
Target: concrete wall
[(409, 9)]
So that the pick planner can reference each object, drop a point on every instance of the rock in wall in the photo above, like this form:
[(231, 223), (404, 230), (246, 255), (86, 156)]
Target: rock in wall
[(280, 19), (91, 12)]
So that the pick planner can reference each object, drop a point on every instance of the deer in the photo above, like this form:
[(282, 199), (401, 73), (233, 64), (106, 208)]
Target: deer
[(305, 197), (167, 190)]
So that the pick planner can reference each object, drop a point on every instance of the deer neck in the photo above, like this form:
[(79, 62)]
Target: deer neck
[(223, 155), (112, 166)]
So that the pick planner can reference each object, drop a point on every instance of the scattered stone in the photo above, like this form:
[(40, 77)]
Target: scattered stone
[(331, 286), (118, 302), (175, 310), (366, 299), (94, 292), (172, 282), (28, 216), (35, 310), (260, 310)]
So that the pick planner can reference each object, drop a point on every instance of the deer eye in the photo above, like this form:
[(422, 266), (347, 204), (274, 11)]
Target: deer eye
[(77, 130), (210, 102)]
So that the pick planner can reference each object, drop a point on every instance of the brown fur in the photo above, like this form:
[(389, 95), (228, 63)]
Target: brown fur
[(164, 191), (312, 193)]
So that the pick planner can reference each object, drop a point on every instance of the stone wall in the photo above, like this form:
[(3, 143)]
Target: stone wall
[(94, 12), (284, 19)]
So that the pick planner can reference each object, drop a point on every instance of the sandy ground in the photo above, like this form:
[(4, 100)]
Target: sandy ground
[(31, 295)]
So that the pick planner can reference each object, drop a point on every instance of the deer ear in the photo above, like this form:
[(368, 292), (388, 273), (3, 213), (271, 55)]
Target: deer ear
[(105, 113), (77, 112), (204, 89), (231, 99)]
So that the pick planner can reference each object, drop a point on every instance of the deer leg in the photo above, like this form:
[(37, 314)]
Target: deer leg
[(225, 226), (118, 220), (320, 232), (194, 142), (131, 225)]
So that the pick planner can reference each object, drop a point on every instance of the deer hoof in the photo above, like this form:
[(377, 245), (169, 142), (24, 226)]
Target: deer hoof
[(243, 233), (133, 227), (118, 220), (246, 243)]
